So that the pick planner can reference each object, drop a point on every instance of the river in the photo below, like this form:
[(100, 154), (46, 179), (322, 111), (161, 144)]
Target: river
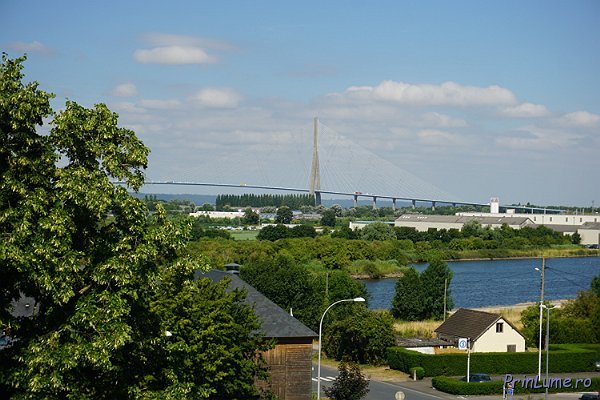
[(502, 282)]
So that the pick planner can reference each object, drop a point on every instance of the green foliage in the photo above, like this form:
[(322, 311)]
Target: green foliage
[(419, 372), (284, 215), (287, 285), (293, 201), (433, 281), (564, 358), (575, 322), (328, 218), (595, 286), (276, 232), (458, 387), (98, 267), (250, 217), (350, 384), (363, 337), (377, 231), (211, 352), (408, 303)]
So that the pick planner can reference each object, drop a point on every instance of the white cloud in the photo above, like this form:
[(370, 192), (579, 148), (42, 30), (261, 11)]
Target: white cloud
[(443, 120), (126, 106), (125, 90), (535, 138), (168, 104), (435, 137), (31, 47), (216, 98), (448, 94), (174, 55), (166, 40), (580, 119), (525, 110)]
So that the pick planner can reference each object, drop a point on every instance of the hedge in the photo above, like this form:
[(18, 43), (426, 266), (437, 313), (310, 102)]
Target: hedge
[(563, 358), (458, 387)]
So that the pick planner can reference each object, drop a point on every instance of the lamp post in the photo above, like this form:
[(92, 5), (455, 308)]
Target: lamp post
[(541, 316), (547, 343), (357, 299)]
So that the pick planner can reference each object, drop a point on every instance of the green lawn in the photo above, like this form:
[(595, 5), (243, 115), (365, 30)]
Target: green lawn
[(244, 235)]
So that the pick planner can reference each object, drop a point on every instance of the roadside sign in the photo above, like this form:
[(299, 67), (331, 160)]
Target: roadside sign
[(510, 391), (463, 343)]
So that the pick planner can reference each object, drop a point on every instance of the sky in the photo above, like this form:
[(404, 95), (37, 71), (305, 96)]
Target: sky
[(474, 98)]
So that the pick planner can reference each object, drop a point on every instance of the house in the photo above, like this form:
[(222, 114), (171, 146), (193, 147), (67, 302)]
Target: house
[(487, 332), (290, 361)]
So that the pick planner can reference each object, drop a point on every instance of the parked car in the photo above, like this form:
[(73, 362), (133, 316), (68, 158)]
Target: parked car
[(589, 396), (477, 378)]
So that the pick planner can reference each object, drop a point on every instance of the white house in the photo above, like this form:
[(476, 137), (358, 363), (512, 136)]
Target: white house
[(487, 332)]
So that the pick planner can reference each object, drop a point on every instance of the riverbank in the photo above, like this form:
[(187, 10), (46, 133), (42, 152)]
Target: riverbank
[(565, 254)]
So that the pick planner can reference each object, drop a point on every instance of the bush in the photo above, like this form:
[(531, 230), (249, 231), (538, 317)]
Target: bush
[(458, 387), (418, 371), (351, 384), (363, 337), (563, 358)]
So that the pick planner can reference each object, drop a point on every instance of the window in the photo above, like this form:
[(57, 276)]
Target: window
[(511, 348), (550, 219), (499, 327)]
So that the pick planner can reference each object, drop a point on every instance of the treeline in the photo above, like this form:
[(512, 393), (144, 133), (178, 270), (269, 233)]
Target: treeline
[(293, 201)]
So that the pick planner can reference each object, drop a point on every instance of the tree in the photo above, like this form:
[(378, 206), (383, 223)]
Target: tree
[(284, 215), (328, 218), (407, 303), (250, 217), (362, 336), (350, 384), (436, 281), (273, 232), (595, 286), (378, 231), (88, 254), (208, 326)]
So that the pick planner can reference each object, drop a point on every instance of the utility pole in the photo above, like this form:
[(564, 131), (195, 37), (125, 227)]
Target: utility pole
[(541, 318), (445, 295)]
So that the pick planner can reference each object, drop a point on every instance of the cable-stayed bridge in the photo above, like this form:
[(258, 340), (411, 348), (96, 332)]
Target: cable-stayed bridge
[(324, 163)]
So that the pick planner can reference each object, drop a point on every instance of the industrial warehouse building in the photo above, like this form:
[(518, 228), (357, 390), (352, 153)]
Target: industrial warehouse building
[(423, 223)]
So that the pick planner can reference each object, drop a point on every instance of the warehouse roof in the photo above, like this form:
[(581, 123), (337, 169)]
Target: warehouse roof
[(459, 219)]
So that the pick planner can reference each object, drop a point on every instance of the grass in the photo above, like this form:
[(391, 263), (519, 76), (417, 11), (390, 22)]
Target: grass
[(425, 329), (244, 235)]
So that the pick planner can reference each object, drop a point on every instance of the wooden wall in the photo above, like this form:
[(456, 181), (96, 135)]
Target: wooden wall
[(291, 369)]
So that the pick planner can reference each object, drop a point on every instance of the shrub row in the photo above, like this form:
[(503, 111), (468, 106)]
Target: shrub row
[(563, 358), (458, 387)]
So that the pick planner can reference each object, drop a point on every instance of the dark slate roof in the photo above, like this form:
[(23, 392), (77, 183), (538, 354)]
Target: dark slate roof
[(465, 323), (276, 322)]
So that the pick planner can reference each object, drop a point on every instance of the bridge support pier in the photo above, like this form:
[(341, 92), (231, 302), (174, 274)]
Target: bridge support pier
[(317, 198), (394, 204), (433, 206), (355, 201), (374, 203), (414, 203)]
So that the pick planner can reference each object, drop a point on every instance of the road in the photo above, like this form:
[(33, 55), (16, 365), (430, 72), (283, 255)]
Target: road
[(377, 390)]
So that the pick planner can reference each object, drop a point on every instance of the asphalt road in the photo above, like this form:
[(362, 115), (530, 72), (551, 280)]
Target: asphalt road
[(377, 390)]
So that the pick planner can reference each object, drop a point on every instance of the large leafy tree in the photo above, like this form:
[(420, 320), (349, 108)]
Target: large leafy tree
[(436, 283), (94, 334), (407, 303)]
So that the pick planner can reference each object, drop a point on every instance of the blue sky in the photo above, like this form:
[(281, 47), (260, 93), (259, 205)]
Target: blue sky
[(477, 98)]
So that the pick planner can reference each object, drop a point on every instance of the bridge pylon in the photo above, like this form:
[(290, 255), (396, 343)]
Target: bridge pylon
[(314, 184)]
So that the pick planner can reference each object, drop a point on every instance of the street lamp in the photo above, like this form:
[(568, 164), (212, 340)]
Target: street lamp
[(357, 299), (547, 342)]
